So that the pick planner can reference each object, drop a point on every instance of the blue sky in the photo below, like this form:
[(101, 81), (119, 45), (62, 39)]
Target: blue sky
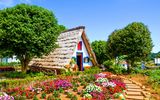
[(101, 17)]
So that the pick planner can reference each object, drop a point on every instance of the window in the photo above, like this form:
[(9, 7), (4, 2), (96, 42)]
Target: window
[(86, 60), (80, 45)]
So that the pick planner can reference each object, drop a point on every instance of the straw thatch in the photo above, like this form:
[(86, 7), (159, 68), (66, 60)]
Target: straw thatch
[(62, 55)]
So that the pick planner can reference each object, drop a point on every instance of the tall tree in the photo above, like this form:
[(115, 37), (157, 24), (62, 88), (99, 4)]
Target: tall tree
[(99, 48), (134, 41), (28, 31)]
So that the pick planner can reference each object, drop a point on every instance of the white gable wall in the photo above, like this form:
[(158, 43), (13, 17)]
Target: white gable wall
[(85, 53)]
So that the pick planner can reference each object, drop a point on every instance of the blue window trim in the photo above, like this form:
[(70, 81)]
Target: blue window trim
[(84, 60)]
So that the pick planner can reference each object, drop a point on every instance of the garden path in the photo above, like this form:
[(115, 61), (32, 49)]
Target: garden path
[(135, 91)]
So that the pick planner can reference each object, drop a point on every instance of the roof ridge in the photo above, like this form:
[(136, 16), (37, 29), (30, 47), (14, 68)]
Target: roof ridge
[(75, 28)]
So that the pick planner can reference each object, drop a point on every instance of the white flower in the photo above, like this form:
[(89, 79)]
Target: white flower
[(93, 87), (87, 95), (101, 80), (102, 75), (107, 84)]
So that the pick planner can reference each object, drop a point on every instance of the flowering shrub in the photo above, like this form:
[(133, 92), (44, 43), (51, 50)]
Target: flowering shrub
[(120, 84), (29, 95), (4, 96), (108, 84), (98, 95), (100, 75), (88, 96), (61, 83), (102, 80), (92, 87)]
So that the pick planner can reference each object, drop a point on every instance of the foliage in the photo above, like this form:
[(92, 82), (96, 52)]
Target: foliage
[(43, 95), (67, 73), (158, 55), (15, 75), (74, 97), (134, 41), (61, 83), (105, 90), (35, 98), (13, 83), (116, 69), (55, 93), (92, 87), (28, 31), (107, 63), (9, 64), (154, 78), (98, 95), (99, 48), (101, 80), (93, 70), (5, 96)]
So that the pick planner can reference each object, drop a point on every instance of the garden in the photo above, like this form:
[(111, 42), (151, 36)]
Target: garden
[(92, 84)]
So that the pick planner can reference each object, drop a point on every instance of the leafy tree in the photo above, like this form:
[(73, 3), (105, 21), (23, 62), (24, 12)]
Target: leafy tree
[(99, 48), (28, 31), (157, 55), (134, 41)]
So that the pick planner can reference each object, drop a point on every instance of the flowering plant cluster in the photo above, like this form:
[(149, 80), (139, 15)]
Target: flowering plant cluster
[(108, 84), (101, 80), (4, 96), (98, 95), (39, 87), (100, 75), (92, 87), (62, 83), (119, 84)]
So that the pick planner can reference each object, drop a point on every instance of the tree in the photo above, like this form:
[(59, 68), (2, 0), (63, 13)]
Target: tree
[(99, 48), (28, 31), (157, 55), (134, 41)]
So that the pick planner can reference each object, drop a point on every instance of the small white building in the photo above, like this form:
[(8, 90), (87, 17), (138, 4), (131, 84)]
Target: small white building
[(9, 59), (73, 45), (157, 61)]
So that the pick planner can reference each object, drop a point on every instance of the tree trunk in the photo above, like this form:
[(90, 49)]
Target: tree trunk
[(132, 64), (128, 66), (24, 63)]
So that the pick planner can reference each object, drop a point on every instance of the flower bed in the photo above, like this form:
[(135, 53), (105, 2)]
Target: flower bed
[(93, 87), (104, 88)]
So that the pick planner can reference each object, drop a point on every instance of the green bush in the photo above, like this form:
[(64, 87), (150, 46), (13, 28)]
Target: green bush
[(19, 97), (35, 74), (8, 83), (35, 98), (107, 63), (92, 70), (43, 95), (116, 69), (56, 93), (136, 70), (15, 75), (9, 64), (67, 73)]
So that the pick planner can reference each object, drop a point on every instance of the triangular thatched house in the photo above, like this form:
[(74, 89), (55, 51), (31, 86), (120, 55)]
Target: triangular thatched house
[(74, 48)]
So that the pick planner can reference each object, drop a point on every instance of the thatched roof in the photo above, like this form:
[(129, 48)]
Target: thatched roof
[(62, 55)]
